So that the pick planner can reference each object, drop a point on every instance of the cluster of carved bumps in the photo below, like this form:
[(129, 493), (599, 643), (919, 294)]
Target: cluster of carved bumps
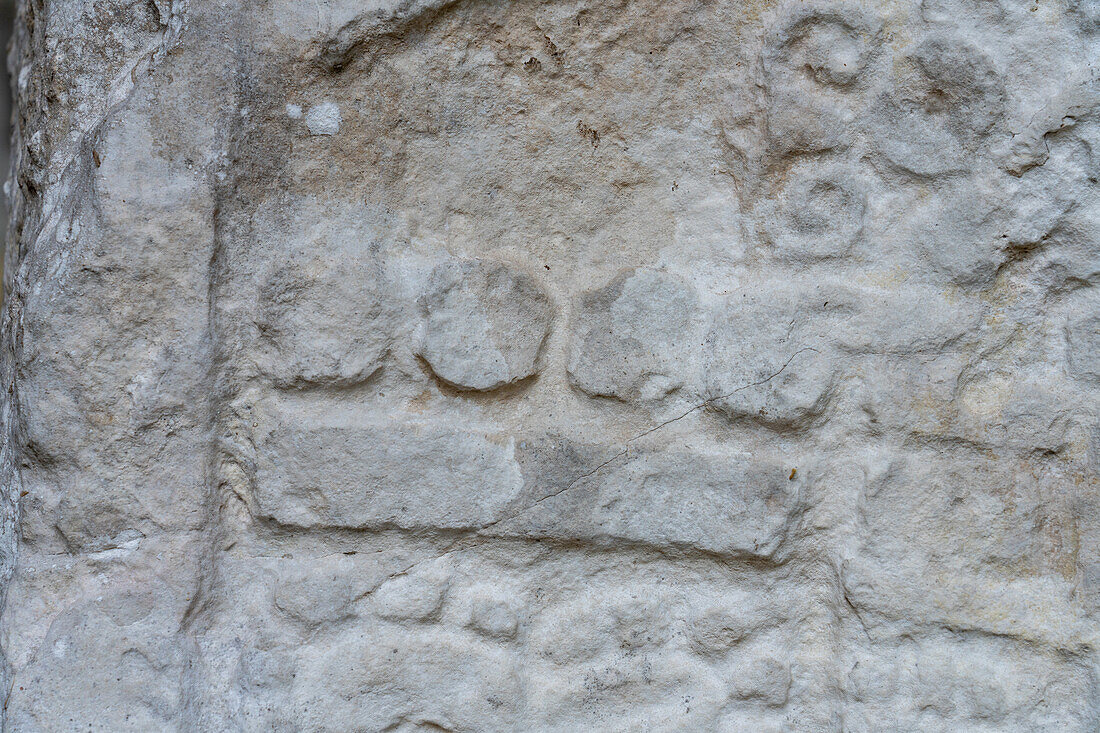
[(482, 325), (533, 650), (595, 652)]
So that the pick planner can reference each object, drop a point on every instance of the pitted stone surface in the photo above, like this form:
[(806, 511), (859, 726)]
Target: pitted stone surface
[(420, 365)]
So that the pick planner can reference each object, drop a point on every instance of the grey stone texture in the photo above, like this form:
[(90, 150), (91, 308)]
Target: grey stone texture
[(552, 365)]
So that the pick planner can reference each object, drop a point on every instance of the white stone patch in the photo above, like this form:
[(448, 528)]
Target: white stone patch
[(324, 119)]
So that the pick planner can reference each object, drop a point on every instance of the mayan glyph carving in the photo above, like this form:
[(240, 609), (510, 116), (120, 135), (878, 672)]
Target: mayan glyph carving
[(551, 366)]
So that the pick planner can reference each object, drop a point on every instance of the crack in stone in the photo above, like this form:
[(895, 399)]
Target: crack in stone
[(479, 538)]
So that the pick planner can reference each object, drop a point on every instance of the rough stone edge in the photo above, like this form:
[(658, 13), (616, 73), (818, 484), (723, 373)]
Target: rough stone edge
[(345, 44), (19, 58), (32, 228)]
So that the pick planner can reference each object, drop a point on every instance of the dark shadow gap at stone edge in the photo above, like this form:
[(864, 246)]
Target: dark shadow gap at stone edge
[(7, 18)]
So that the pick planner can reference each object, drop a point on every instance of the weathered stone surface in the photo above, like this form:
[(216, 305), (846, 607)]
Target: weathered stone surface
[(635, 337), (324, 319), (1083, 340), (818, 214), (716, 503), (391, 473), (484, 324), (769, 358), (421, 365)]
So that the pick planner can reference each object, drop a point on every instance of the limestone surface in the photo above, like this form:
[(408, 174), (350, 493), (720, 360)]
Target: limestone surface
[(552, 365)]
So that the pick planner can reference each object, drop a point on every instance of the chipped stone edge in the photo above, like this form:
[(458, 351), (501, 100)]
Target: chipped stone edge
[(345, 44)]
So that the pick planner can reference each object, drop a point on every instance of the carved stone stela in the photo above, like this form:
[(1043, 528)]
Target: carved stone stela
[(476, 365)]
